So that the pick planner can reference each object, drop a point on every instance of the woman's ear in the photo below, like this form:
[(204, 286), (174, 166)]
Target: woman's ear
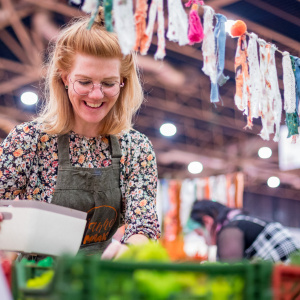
[(64, 77)]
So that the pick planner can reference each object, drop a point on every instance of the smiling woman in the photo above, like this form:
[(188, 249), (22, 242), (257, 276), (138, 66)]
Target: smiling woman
[(82, 152)]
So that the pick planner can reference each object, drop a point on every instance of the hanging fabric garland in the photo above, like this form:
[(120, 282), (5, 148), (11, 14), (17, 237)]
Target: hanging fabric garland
[(220, 41), (178, 23), (257, 89)]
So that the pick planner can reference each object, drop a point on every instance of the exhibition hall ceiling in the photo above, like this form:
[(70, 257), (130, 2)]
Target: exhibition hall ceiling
[(176, 89)]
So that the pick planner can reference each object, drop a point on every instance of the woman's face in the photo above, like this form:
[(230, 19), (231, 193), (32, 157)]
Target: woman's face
[(90, 110)]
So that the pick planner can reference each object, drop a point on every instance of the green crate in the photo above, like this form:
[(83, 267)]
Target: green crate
[(89, 278)]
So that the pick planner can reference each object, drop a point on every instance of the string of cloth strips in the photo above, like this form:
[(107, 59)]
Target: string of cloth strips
[(257, 89)]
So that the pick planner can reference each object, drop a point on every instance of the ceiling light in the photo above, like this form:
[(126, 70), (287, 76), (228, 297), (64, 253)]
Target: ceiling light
[(168, 129), (264, 152), (273, 182), (29, 98), (195, 167)]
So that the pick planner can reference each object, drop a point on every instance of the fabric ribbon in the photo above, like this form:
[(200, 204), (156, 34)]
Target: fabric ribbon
[(140, 25), (267, 97), (195, 33), (275, 92), (220, 41), (289, 84), (108, 4), (208, 45), (242, 94), (296, 69), (156, 7), (177, 23), (255, 77), (124, 25)]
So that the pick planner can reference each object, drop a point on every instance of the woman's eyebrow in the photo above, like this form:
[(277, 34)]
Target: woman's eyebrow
[(106, 78)]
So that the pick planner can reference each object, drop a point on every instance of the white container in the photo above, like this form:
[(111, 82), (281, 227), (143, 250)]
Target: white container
[(36, 227)]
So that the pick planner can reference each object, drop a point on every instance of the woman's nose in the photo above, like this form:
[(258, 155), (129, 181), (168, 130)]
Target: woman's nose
[(96, 92)]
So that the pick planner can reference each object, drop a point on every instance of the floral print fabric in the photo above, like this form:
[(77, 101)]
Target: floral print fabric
[(29, 164)]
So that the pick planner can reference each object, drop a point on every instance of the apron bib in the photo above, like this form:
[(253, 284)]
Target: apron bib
[(92, 190)]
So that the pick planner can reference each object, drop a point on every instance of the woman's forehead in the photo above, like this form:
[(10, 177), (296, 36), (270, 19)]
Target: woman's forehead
[(94, 66)]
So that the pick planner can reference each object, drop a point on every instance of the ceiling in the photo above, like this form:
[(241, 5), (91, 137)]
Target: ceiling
[(176, 89)]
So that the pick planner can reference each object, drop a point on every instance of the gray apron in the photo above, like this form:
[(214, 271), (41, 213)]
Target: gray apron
[(92, 190)]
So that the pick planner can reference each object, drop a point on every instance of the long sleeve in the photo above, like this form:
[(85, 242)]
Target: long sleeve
[(139, 188), (16, 156)]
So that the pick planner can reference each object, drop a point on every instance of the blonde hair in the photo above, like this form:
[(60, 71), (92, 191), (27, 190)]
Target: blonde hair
[(57, 115)]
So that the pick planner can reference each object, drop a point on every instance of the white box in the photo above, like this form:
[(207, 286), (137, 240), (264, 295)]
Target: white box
[(36, 227)]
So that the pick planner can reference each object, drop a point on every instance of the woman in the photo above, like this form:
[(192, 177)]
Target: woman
[(81, 152), (238, 235)]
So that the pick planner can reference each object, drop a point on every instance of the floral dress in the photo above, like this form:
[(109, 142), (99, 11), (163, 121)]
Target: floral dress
[(29, 164)]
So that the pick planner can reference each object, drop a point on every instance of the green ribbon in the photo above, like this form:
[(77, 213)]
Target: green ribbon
[(108, 5)]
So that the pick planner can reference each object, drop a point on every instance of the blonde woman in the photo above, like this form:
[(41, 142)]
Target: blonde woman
[(81, 152)]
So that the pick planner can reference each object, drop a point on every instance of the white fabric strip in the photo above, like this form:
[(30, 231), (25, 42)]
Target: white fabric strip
[(255, 83), (178, 23), (289, 84), (208, 46), (124, 24)]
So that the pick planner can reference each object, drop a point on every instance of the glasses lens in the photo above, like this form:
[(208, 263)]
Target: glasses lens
[(82, 87), (111, 89)]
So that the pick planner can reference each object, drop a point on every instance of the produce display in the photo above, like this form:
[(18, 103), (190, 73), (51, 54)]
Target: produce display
[(144, 272)]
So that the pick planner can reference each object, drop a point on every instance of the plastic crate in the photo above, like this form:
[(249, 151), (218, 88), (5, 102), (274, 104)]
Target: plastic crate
[(88, 277), (286, 282), (95, 280)]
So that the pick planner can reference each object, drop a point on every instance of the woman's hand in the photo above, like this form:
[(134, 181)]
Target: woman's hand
[(114, 250)]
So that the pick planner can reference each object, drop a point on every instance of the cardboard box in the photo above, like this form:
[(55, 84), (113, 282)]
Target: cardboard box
[(36, 227)]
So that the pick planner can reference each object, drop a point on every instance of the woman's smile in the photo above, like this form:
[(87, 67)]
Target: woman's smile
[(93, 105)]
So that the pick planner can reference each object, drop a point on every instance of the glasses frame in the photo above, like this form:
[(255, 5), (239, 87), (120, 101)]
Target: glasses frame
[(96, 84)]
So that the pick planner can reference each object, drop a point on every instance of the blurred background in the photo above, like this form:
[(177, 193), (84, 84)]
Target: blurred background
[(232, 170)]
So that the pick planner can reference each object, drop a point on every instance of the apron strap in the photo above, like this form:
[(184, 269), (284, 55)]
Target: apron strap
[(63, 150), (115, 151)]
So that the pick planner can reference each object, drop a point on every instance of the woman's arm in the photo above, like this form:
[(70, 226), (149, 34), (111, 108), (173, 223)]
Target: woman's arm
[(230, 244), (16, 157), (139, 189)]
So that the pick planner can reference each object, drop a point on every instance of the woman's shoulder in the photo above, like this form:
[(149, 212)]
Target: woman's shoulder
[(133, 136), (27, 131)]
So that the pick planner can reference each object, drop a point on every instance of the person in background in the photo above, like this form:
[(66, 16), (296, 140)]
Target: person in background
[(81, 151), (240, 236)]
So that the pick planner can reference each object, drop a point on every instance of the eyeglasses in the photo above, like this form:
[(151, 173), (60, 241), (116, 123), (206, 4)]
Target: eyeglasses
[(108, 88)]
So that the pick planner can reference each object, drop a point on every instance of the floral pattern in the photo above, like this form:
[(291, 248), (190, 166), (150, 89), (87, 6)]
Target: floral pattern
[(29, 164)]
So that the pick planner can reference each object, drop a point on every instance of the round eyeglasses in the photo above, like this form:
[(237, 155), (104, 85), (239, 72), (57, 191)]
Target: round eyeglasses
[(108, 88)]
